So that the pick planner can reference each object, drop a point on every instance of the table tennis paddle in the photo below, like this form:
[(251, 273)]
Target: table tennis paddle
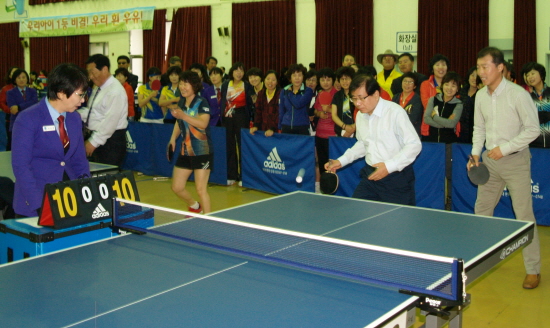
[(156, 85), (329, 182), (325, 98), (478, 175), (170, 152)]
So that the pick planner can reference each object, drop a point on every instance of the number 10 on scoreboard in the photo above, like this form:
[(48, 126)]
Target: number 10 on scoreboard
[(76, 202)]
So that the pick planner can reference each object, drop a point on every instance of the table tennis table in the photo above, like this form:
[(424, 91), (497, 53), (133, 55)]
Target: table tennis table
[(96, 169), (152, 281)]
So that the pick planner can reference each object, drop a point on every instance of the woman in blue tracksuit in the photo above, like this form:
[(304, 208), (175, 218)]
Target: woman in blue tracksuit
[(294, 103)]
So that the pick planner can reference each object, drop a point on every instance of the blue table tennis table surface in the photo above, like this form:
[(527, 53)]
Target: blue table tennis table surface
[(150, 281)]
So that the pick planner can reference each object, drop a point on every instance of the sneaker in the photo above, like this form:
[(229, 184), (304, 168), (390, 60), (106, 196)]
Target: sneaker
[(240, 183), (198, 210), (230, 182)]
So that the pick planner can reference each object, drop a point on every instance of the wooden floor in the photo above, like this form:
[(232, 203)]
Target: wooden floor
[(498, 299)]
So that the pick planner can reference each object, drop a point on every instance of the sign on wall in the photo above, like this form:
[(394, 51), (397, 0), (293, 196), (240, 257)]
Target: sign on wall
[(406, 42), (100, 22)]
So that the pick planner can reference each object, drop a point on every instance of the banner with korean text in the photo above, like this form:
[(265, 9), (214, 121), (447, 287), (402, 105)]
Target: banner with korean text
[(140, 18)]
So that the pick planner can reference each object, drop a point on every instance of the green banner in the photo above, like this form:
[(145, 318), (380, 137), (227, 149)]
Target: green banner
[(95, 23)]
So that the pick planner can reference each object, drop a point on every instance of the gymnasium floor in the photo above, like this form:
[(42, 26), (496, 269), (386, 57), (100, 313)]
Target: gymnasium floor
[(498, 300)]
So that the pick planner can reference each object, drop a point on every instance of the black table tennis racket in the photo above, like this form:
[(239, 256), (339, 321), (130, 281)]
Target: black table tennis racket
[(328, 182), (169, 152), (478, 175)]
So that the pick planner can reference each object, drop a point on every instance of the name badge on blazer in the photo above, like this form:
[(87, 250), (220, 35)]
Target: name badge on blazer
[(47, 128), (214, 96)]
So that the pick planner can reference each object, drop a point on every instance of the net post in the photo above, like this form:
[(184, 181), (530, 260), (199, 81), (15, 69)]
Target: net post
[(458, 281)]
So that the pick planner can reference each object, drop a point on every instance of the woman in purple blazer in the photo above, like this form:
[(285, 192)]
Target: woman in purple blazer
[(21, 97), (39, 155)]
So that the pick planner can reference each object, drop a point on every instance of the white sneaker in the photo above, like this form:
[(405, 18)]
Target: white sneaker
[(240, 183), (230, 182)]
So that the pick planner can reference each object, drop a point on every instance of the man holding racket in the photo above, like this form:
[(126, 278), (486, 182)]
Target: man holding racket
[(505, 121), (105, 118), (388, 142)]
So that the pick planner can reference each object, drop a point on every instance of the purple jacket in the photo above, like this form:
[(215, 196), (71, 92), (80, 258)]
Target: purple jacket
[(38, 157), (14, 97)]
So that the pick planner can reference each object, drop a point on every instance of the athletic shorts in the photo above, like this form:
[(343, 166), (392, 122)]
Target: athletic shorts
[(201, 162)]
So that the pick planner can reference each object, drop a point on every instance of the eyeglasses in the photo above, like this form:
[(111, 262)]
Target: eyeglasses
[(81, 95), (122, 63), (408, 82), (357, 100)]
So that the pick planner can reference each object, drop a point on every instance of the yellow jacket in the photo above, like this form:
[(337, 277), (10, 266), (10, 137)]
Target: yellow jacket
[(386, 84)]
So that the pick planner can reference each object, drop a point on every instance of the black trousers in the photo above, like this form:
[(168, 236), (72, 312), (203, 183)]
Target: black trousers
[(397, 187), (321, 144), (6, 197), (233, 126), (113, 151)]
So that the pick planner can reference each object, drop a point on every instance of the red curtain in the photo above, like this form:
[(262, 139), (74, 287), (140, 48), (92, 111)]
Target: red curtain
[(46, 53), (343, 27), (264, 34), (12, 54), (456, 29), (525, 35), (190, 35), (153, 41)]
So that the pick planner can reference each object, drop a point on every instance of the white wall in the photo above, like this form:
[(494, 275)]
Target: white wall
[(119, 44), (386, 25)]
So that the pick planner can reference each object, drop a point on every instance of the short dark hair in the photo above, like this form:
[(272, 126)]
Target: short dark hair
[(123, 57), (33, 73), (209, 58), (192, 78), (255, 71), (412, 76), (355, 60), (406, 54), (18, 72), (216, 70), (122, 71), (495, 53), (8, 77), (510, 68), (527, 67), (271, 71), (203, 70), (174, 70), (294, 68), (367, 70), (369, 82), (312, 66), (100, 61), (174, 59), (326, 72), (153, 71), (437, 58), (235, 67), (66, 78), (542, 71), (309, 74), (345, 71), (450, 77), (466, 85)]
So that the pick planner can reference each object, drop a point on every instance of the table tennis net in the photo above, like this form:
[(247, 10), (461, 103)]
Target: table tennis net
[(436, 276)]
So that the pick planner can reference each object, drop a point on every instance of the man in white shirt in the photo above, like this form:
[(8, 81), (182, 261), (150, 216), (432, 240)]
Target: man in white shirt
[(506, 121), (105, 116), (388, 142)]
